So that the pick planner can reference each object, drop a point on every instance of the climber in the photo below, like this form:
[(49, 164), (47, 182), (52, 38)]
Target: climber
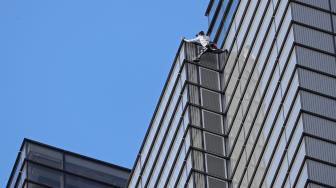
[(204, 40)]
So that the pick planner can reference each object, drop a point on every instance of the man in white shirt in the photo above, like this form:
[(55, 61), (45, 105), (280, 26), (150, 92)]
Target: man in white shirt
[(203, 40)]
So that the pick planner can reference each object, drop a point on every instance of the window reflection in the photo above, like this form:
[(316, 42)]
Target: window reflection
[(221, 14), (225, 26)]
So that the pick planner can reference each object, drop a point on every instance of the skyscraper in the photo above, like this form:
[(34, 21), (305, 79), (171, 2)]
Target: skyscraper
[(185, 140), (261, 114), (42, 166)]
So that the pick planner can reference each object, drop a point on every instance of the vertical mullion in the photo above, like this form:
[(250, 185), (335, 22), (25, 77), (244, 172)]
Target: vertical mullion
[(63, 168), (201, 120), (25, 156), (222, 83), (190, 119)]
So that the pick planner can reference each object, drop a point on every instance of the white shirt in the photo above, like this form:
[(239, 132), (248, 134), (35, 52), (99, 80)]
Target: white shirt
[(203, 39)]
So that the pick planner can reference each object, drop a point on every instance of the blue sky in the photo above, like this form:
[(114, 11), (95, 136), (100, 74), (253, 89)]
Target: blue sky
[(85, 75)]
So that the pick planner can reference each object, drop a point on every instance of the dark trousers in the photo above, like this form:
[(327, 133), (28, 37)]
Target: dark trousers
[(205, 49)]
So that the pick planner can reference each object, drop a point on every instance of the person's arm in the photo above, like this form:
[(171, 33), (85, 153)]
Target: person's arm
[(192, 40)]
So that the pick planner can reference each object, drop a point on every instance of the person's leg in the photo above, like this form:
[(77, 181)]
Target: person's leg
[(203, 50)]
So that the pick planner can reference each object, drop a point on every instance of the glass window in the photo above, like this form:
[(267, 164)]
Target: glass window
[(286, 52), (214, 144), (282, 5), (231, 108), (220, 16), (292, 147), (236, 131), (178, 165), (245, 22), (215, 166), (95, 171), (78, 182), (33, 185), (165, 149), (290, 82), (240, 167), (162, 131), (303, 177), (211, 100), (285, 27), (209, 78), (212, 122), (281, 174), (186, 169), (44, 155), (17, 167), (45, 176), (213, 9), (237, 150), (135, 175), (225, 26), (23, 176), (178, 146), (276, 158), (163, 102), (216, 183)]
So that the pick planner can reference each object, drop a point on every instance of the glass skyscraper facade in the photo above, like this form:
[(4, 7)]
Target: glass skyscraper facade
[(260, 114), (42, 166), (185, 144)]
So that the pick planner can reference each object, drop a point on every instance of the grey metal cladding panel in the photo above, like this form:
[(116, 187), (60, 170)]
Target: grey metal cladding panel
[(316, 60), (319, 127), (318, 104), (209, 60), (312, 185), (197, 138), (193, 94), (214, 143), (195, 116), (212, 122), (313, 38), (211, 100), (319, 149), (334, 22), (222, 57), (192, 73), (312, 17), (333, 5), (209, 78), (191, 50), (317, 82), (199, 180), (317, 3), (322, 173), (215, 166), (198, 160), (215, 183)]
